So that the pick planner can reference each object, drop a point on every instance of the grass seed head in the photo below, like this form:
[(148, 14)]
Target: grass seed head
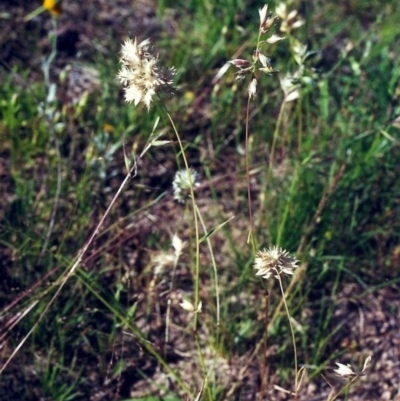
[(140, 74), (246, 67), (274, 261), (263, 15), (183, 180), (252, 88), (344, 370), (189, 307), (290, 20)]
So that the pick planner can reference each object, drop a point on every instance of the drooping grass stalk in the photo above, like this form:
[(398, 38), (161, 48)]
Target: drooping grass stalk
[(65, 277)]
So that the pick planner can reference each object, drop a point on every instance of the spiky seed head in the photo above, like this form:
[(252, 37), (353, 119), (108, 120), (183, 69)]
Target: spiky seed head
[(140, 74), (274, 261), (344, 370), (183, 181)]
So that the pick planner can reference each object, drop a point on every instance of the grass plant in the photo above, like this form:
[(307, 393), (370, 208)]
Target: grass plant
[(194, 243)]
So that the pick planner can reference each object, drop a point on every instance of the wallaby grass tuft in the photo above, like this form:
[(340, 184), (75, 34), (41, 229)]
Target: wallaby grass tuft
[(111, 289)]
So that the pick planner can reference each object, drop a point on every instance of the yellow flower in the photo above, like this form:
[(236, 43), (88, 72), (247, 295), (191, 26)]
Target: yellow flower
[(53, 7)]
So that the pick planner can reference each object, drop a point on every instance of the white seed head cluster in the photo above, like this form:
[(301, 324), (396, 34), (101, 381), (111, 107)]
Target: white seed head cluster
[(274, 261), (344, 370), (183, 180), (348, 371), (140, 73)]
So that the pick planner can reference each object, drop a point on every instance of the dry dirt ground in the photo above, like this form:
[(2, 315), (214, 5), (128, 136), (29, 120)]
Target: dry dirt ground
[(369, 322)]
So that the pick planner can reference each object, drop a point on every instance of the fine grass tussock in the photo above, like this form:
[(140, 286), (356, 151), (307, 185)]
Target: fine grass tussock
[(207, 263)]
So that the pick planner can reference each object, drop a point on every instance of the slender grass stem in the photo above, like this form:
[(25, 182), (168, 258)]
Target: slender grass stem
[(249, 201), (196, 224), (275, 137), (344, 388), (50, 122), (264, 382), (291, 331), (202, 222)]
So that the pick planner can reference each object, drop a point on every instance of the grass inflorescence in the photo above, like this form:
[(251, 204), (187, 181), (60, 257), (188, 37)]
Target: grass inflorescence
[(204, 208)]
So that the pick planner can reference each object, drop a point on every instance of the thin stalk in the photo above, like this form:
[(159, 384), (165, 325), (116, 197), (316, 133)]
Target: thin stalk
[(264, 357), (300, 124), (196, 223), (345, 387), (275, 137), (203, 366), (214, 267), (50, 122), (287, 207), (171, 287), (251, 231), (247, 151), (292, 333)]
